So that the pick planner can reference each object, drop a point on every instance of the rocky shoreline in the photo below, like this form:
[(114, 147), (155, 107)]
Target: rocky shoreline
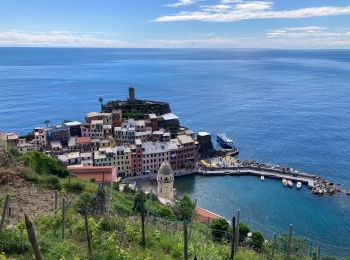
[(324, 187)]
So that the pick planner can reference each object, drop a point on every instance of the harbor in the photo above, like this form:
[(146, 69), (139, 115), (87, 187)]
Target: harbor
[(229, 166)]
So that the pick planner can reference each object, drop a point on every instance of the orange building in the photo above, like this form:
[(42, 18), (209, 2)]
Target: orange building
[(203, 215), (100, 174)]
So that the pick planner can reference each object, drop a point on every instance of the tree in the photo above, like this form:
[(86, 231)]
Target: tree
[(185, 208), (101, 102), (219, 228), (137, 201), (257, 239), (243, 231), (47, 122)]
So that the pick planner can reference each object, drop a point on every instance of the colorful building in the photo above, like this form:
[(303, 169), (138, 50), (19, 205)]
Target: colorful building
[(98, 174), (136, 158)]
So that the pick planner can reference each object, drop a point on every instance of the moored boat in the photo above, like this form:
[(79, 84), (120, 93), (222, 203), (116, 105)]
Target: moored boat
[(299, 184), (284, 182), (290, 183), (262, 178), (224, 141)]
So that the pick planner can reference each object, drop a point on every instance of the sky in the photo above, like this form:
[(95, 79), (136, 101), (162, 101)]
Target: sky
[(175, 23)]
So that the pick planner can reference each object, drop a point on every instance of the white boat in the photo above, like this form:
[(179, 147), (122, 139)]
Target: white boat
[(285, 182), (290, 183), (299, 185), (262, 178)]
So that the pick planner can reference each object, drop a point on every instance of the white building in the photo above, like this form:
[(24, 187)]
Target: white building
[(70, 158), (96, 129), (154, 154), (26, 147)]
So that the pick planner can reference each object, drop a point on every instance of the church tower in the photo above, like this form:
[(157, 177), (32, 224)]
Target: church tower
[(165, 179)]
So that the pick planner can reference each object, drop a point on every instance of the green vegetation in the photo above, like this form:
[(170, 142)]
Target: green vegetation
[(243, 231), (44, 165), (185, 208), (138, 108), (220, 229), (257, 240), (117, 235)]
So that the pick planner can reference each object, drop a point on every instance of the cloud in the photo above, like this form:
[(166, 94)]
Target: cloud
[(310, 36), (57, 39), (294, 37), (232, 10), (197, 43), (182, 3), (307, 28)]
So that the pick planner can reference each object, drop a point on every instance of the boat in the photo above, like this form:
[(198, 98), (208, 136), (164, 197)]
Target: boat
[(290, 183), (262, 178), (285, 182), (224, 141), (299, 185)]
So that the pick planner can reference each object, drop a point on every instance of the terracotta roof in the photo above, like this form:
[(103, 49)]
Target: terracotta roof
[(83, 140), (90, 168), (203, 215)]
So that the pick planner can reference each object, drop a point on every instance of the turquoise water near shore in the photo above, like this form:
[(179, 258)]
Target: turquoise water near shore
[(288, 107)]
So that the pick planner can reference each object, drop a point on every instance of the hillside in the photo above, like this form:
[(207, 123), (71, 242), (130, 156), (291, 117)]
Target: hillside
[(114, 228)]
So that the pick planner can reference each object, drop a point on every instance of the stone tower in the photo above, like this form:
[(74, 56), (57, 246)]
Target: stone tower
[(131, 97), (165, 179)]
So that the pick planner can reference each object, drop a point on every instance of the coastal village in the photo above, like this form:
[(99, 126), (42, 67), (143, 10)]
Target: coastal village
[(136, 139)]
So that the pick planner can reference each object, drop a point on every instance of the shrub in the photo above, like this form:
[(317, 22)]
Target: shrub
[(53, 183), (257, 239), (13, 241), (152, 197), (128, 190), (166, 212), (108, 224), (32, 178), (122, 210), (82, 199), (116, 186), (219, 228), (74, 186)]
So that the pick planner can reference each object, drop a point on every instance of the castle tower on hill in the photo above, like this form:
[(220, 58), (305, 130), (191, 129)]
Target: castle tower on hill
[(131, 97), (165, 179)]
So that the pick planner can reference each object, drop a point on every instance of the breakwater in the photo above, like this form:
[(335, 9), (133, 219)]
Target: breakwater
[(314, 182)]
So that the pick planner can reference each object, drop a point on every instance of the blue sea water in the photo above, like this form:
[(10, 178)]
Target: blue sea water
[(288, 107)]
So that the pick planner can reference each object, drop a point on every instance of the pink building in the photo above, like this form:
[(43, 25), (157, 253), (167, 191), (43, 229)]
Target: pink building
[(85, 130), (136, 158), (100, 174)]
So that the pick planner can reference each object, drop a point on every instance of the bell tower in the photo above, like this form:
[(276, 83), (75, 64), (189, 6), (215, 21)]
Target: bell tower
[(165, 179)]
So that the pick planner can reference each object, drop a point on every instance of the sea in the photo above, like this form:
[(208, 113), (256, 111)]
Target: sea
[(285, 107)]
